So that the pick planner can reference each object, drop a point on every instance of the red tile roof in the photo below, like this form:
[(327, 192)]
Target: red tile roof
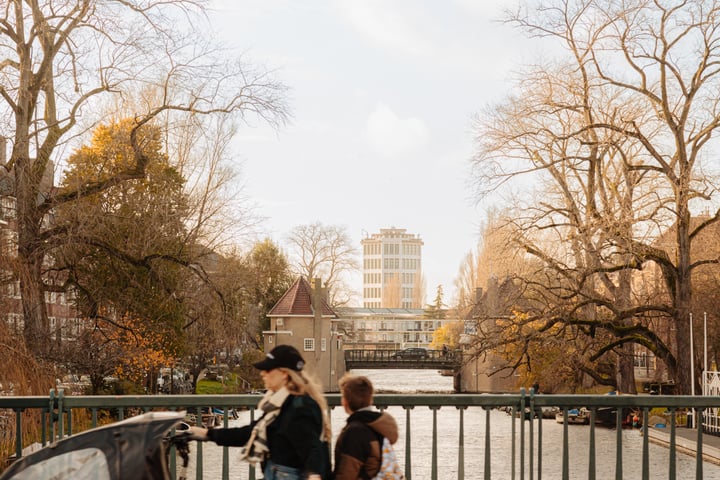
[(297, 301)]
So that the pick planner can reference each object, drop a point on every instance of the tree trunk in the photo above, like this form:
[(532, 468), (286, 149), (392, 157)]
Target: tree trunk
[(30, 259), (626, 369), (683, 297)]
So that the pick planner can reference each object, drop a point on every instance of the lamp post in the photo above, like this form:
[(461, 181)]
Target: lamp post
[(692, 359), (705, 366)]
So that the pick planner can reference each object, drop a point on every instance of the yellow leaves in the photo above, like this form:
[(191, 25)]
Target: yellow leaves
[(448, 334), (111, 151), (137, 348)]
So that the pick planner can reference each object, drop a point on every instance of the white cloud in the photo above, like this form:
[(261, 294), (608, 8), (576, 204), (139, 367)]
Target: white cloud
[(390, 135), (396, 29)]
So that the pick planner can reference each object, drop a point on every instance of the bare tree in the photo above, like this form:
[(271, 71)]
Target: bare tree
[(327, 252), (220, 214), (392, 291), (619, 131), (61, 59), (495, 257)]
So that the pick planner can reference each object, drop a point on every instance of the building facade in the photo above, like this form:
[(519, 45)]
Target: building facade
[(303, 319), (392, 269), (388, 328), (64, 324)]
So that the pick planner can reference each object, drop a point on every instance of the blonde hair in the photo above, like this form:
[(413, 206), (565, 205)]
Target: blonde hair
[(300, 383)]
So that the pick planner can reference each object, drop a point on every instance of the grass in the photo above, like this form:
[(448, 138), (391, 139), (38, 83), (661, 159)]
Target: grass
[(216, 387), (210, 387)]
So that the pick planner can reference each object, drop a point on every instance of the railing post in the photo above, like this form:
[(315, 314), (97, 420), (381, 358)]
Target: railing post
[(566, 448), (513, 445), (198, 445), (539, 449), (591, 462), (226, 454), (53, 415), (522, 433), (487, 446), (531, 439), (251, 473), (699, 450), (18, 432), (408, 460), (671, 463), (433, 460), (618, 444), (61, 416), (461, 444), (645, 446)]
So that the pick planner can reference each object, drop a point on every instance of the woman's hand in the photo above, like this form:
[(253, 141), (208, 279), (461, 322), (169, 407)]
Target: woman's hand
[(199, 434), (314, 476)]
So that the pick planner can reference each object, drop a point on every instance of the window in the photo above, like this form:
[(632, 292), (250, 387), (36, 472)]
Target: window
[(309, 344), (323, 344)]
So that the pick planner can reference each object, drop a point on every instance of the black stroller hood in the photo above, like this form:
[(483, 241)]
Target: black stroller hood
[(130, 449)]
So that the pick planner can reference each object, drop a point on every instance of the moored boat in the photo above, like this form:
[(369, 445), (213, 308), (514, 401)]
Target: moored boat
[(575, 416)]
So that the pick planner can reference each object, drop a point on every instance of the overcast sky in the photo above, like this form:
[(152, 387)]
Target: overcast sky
[(382, 94)]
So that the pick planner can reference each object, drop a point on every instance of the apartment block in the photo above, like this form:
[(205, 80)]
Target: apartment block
[(392, 269)]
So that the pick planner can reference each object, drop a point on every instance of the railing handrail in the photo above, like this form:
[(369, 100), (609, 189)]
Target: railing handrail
[(381, 400), (524, 401)]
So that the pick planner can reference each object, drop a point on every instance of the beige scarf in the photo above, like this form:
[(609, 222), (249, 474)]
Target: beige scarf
[(256, 449)]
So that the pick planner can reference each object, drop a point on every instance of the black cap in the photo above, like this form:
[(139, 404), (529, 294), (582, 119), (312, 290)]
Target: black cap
[(282, 356)]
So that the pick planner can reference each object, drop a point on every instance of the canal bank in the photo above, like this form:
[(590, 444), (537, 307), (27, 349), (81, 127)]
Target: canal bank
[(686, 442)]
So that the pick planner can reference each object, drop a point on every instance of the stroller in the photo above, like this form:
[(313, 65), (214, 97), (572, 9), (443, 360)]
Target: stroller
[(136, 448)]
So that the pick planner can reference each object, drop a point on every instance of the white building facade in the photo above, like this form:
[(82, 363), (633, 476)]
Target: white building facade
[(392, 269)]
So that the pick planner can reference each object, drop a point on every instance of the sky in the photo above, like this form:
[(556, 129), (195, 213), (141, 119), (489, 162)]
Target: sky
[(382, 95)]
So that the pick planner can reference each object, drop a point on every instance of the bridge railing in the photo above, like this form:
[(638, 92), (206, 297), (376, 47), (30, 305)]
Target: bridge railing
[(525, 454), (404, 358)]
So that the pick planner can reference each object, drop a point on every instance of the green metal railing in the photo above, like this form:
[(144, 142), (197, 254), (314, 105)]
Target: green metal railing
[(57, 420)]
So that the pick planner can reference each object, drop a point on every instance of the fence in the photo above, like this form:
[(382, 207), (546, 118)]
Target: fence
[(526, 454)]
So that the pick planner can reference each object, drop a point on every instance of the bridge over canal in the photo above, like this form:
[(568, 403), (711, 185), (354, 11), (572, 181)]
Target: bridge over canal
[(415, 358)]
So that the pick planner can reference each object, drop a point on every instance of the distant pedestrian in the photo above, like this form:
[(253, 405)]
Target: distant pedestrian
[(445, 350), (358, 449)]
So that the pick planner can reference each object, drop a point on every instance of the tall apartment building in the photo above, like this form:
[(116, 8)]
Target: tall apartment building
[(392, 269)]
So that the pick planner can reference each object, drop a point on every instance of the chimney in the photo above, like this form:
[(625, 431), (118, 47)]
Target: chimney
[(317, 295), (478, 294)]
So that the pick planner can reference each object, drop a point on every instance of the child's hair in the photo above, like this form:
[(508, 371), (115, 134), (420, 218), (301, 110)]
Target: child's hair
[(357, 391)]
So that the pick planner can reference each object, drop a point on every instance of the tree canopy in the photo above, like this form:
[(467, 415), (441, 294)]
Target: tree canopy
[(614, 132), (62, 63)]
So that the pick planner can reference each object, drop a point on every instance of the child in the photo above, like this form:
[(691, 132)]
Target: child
[(358, 449)]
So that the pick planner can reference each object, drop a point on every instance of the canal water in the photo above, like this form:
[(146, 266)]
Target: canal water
[(426, 381)]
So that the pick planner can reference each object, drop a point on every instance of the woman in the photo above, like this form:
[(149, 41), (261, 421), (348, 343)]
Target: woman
[(290, 438)]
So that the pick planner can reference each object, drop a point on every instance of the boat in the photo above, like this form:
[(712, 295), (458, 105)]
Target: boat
[(549, 412), (575, 416), (219, 412), (607, 416)]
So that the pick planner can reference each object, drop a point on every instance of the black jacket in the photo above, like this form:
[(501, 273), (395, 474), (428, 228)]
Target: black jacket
[(293, 437), (358, 449)]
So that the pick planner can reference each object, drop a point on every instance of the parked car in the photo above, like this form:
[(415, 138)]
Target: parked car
[(412, 352)]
